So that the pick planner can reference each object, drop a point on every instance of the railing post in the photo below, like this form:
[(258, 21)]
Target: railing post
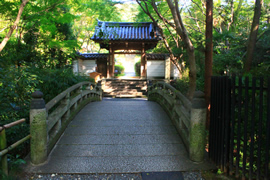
[(167, 70), (3, 145), (38, 129), (197, 133), (65, 102)]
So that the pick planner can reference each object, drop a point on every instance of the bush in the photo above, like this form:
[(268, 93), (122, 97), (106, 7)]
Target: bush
[(17, 85), (55, 81), (137, 68), (118, 69), (182, 84)]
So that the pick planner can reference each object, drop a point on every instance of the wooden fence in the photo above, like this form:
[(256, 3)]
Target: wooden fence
[(3, 144), (239, 134)]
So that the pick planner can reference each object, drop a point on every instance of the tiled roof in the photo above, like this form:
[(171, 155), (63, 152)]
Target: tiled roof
[(94, 56), (128, 31), (156, 56)]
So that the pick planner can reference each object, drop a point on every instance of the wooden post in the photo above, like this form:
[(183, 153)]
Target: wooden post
[(167, 69), (208, 57), (38, 129), (3, 145), (108, 67), (143, 63), (112, 62)]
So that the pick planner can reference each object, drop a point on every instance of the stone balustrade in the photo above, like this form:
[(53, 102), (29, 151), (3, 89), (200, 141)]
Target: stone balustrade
[(48, 122), (188, 116)]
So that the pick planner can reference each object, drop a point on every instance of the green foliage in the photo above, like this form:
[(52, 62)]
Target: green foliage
[(137, 68), (119, 69), (182, 85), (87, 13), (17, 85), (44, 35), (230, 35), (39, 53), (54, 81)]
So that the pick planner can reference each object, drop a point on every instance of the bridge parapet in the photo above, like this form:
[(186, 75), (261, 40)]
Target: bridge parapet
[(48, 122), (188, 116)]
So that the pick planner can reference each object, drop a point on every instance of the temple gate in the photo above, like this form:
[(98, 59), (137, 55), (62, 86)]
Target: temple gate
[(126, 38)]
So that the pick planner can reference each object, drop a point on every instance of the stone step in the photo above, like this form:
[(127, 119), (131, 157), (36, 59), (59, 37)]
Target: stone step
[(125, 84), (124, 93), (124, 88), (121, 95)]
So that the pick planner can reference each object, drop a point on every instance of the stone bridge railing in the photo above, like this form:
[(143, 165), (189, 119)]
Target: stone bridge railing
[(188, 116), (48, 122)]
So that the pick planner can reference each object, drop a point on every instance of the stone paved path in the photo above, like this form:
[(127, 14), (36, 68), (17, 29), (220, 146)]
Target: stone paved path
[(119, 136)]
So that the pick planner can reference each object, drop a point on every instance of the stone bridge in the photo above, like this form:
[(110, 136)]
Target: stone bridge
[(118, 135)]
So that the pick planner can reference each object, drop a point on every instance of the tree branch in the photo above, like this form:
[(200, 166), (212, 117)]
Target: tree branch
[(175, 40), (3, 29), (160, 16), (172, 57), (198, 7), (196, 21), (5, 40), (194, 29)]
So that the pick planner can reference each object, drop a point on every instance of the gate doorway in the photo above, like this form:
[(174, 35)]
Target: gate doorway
[(127, 61)]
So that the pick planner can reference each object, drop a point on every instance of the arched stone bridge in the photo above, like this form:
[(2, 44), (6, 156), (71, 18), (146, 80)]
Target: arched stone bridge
[(117, 135)]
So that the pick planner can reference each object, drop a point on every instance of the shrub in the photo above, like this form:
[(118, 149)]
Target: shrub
[(17, 85), (182, 84), (118, 69), (137, 68), (55, 81)]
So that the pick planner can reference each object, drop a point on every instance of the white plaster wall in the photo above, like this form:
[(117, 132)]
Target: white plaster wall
[(155, 68), (84, 66), (80, 65), (75, 66), (88, 66), (174, 71)]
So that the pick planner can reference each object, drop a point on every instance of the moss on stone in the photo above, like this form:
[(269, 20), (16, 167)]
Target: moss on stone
[(197, 142), (38, 131)]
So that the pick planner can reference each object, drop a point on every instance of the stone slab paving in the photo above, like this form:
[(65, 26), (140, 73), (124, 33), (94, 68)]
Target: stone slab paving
[(119, 136)]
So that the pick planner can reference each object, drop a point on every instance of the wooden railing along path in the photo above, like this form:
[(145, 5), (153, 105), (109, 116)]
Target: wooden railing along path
[(48, 122), (3, 144), (188, 116)]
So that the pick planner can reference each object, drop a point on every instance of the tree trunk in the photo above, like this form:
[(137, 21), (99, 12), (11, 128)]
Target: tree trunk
[(5, 40), (208, 55), (173, 59), (253, 35), (181, 31)]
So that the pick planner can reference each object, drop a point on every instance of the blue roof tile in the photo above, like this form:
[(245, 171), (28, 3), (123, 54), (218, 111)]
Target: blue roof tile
[(127, 31)]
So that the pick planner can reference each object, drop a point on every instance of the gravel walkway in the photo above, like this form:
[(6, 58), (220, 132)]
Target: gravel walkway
[(187, 176)]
